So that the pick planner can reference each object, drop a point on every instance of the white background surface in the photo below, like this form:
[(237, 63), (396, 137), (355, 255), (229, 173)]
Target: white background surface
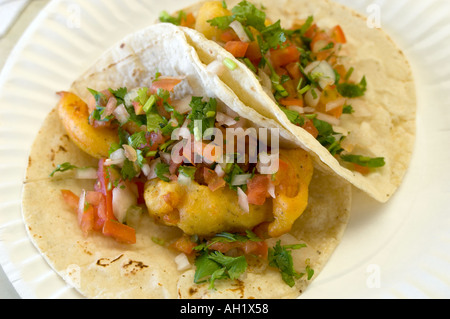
[(7, 42), (406, 242)]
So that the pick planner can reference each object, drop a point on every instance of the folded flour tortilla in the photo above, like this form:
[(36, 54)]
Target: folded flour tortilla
[(383, 124)]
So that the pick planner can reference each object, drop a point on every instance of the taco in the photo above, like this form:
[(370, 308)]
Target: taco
[(324, 72), (119, 218)]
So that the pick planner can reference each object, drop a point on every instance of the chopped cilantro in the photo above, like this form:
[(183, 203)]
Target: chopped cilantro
[(293, 116), (281, 257), (137, 140), (119, 94), (212, 266), (188, 171), (129, 170), (204, 112), (308, 23), (372, 162), (63, 167), (274, 35), (327, 136), (352, 90), (348, 109), (162, 171), (166, 17), (231, 172)]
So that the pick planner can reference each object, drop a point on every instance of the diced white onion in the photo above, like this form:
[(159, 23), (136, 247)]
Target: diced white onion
[(309, 97), (266, 83), (216, 67), (81, 204), (296, 108), (109, 108), (182, 262), (130, 152), (340, 130), (311, 66), (271, 190), (240, 179), (243, 200), (152, 174), (219, 171), (165, 157), (145, 169), (130, 97), (308, 109), (328, 118), (121, 114), (182, 106), (122, 199), (183, 179), (224, 119), (86, 173), (319, 45), (240, 32), (334, 104), (116, 158), (324, 71)]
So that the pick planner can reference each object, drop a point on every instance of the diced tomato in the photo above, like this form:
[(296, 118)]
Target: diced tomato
[(258, 248), (262, 230), (289, 101), (310, 128), (342, 71), (85, 215), (281, 71), (331, 95), (311, 31), (165, 83), (237, 48), (257, 189), (93, 197), (155, 139), (120, 232), (323, 55), (229, 35), (86, 219), (284, 56), (337, 111), (294, 70), (138, 108), (100, 214), (337, 34), (361, 169), (320, 40), (211, 179), (105, 187), (188, 21), (140, 187), (184, 245), (71, 199), (253, 53)]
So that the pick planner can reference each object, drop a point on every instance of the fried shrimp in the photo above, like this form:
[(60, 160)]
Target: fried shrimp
[(195, 209), (291, 190), (74, 114)]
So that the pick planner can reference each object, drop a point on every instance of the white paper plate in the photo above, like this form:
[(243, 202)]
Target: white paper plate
[(397, 250)]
